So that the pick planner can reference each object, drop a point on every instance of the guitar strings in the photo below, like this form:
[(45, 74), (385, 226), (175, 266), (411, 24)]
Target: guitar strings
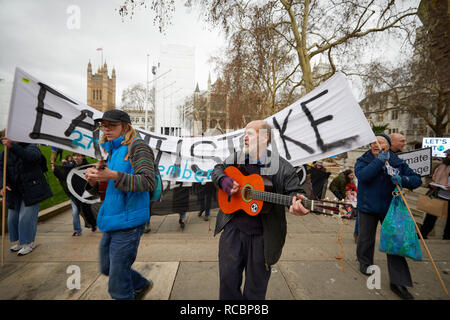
[(286, 200)]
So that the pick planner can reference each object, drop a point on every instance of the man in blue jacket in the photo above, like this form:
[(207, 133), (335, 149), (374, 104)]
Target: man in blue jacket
[(376, 181)]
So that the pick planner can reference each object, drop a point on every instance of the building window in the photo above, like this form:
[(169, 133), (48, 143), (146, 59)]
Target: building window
[(394, 115)]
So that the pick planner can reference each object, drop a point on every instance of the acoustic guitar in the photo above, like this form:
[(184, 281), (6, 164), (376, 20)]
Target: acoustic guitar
[(254, 199)]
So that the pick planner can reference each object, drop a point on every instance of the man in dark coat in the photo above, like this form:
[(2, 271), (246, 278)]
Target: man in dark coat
[(376, 181), (26, 188), (253, 243)]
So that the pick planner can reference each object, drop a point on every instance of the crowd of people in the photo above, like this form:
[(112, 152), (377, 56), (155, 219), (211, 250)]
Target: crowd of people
[(250, 244)]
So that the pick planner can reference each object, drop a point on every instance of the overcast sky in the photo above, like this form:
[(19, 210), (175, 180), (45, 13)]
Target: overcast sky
[(35, 36)]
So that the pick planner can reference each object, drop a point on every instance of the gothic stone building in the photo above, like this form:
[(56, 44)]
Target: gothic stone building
[(101, 89), (212, 108)]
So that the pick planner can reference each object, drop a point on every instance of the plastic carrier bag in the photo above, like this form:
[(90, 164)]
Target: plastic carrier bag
[(398, 234)]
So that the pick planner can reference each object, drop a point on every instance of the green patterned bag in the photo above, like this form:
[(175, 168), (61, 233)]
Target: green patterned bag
[(398, 234)]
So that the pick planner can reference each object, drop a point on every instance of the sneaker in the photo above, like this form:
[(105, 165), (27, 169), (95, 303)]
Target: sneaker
[(206, 218), (76, 234), (26, 249), (94, 229), (16, 247), (140, 293)]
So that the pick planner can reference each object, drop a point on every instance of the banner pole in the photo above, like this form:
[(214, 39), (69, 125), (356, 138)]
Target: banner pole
[(4, 205), (419, 233), (424, 243)]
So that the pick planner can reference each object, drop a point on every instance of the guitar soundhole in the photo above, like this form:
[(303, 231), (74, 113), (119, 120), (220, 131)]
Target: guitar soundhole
[(229, 198), (247, 193)]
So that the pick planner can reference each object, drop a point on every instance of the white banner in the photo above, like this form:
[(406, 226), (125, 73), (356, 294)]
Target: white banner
[(418, 160), (325, 122)]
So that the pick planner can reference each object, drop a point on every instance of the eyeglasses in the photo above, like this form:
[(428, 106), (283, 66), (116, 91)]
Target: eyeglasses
[(111, 126)]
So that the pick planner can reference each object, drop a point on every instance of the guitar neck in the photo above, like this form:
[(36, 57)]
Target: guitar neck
[(279, 199)]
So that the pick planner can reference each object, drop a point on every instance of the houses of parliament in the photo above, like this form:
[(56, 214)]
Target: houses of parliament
[(101, 89)]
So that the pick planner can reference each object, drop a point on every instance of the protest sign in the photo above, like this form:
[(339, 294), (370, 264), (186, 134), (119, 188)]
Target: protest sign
[(438, 145), (418, 160), (325, 122)]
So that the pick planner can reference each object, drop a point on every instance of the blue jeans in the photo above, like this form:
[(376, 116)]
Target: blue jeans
[(76, 217), (22, 222), (118, 250)]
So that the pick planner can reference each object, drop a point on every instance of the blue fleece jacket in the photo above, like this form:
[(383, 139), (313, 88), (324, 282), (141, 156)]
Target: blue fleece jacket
[(121, 210), (374, 184)]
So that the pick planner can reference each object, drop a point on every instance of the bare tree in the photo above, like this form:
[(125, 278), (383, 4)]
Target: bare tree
[(414, 85), (133, 98), (436, 19), (333, 28)]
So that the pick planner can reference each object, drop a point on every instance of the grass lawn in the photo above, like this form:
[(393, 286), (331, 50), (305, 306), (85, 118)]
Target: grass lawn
[(58, 193)]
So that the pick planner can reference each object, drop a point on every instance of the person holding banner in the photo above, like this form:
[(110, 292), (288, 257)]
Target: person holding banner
[(78, 160), (376, 181), (26, 188), (130, 176), (440, 176), (253, 243)]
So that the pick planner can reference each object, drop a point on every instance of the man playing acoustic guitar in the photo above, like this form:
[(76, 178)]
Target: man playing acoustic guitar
[(253, 242)]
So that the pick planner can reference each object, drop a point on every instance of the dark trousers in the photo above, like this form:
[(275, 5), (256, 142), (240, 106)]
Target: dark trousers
[(338, 195), (239, 251), (397, 266), (430, 221)]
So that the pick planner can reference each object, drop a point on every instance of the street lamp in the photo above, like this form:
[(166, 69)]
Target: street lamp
[(155, 91)]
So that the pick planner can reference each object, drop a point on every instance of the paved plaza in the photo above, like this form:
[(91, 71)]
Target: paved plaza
[(184, 264)]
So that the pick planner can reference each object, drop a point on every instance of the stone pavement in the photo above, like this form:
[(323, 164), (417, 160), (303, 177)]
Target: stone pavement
[(184, 264)]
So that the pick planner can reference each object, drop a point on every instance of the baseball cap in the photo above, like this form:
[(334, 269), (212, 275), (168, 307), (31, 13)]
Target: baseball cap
[(115, 116)]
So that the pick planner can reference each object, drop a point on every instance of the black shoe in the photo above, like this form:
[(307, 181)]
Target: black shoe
[(423, 236), (140, 293), (402, 292), (363, 269), (206, 218), (181, 224)]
